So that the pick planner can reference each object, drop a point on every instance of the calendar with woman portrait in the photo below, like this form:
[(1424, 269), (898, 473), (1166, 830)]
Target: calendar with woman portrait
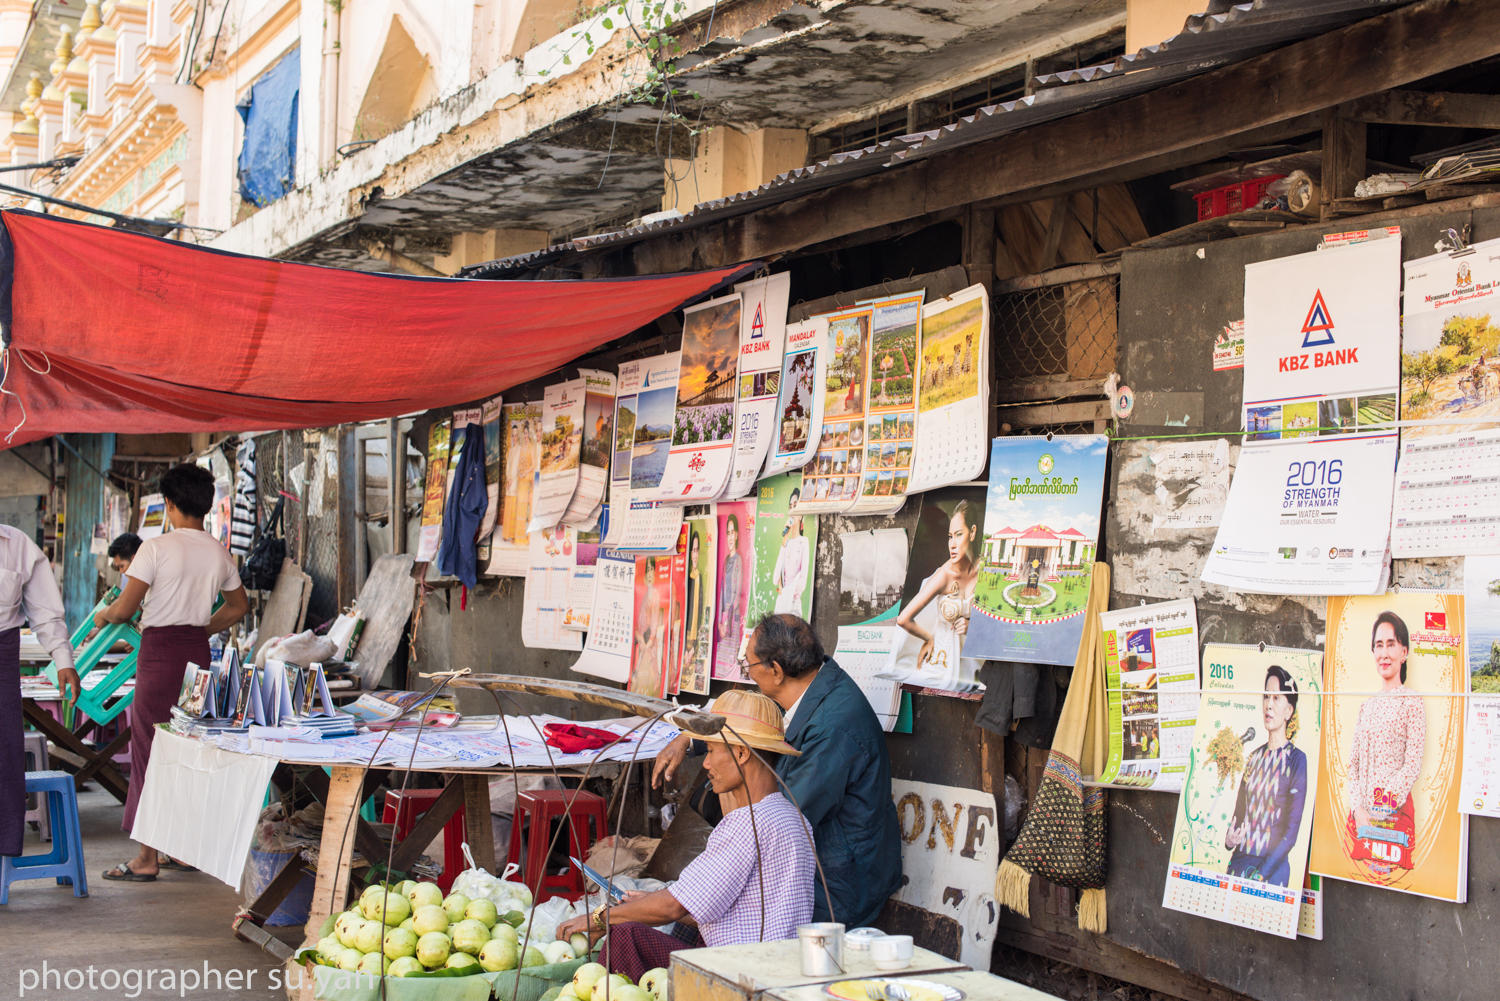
[(938, 595), (1244, 818), (1387, 811)]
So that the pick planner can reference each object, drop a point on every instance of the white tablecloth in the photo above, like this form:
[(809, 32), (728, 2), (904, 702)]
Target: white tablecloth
[(200, 803)]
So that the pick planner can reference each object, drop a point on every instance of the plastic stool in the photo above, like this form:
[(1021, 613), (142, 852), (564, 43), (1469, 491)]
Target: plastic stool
[(36, 803), (65, 860), (535, 811), (405, 809)]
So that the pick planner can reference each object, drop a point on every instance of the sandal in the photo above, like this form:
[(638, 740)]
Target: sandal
[(167, 862), (122, 873)]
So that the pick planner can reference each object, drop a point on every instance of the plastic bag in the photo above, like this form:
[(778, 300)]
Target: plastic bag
[(477, 884), (301, 649), (545, 918)]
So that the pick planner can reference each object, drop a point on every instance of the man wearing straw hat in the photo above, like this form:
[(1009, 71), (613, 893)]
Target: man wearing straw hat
[(754, 880), (842, 781)]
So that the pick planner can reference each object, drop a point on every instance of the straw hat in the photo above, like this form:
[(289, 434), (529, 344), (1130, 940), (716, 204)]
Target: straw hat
[(756, 721)]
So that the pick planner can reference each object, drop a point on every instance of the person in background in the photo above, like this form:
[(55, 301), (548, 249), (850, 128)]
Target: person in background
[(28, 593), (754, 880), (122, 550), (175, 579), (842, 780)]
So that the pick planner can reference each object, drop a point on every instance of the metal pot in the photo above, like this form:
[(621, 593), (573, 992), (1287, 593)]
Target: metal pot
[(822, 949)]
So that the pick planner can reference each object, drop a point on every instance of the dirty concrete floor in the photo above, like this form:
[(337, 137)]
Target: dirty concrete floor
[(180, 922)]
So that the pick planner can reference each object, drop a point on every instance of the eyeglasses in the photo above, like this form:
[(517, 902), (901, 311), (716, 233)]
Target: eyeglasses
[(746, 665)]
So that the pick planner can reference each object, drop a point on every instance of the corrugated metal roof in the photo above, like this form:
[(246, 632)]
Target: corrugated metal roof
[(1224, 33)]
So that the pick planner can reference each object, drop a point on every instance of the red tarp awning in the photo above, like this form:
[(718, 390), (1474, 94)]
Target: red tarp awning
[(115, 331)]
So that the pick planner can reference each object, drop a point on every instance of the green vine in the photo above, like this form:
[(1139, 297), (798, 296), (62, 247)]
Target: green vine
[(653, 35)]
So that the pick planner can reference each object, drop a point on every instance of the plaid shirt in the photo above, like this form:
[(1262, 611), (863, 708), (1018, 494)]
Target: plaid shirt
[(721, 888)]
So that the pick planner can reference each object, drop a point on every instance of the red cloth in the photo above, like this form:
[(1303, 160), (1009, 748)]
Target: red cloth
[(156, 336), (570, 738)]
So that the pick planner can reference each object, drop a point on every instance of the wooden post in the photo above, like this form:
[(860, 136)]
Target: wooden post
[(979, 246), (346, 520), (478, 831), (331, 890), (1343, 157), (361, 513), (395, 491)]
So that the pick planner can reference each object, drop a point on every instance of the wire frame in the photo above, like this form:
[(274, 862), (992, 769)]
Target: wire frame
[(1069, 330), (322, 560)]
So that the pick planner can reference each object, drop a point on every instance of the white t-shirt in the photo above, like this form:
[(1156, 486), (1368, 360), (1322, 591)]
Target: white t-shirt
[(184, 572)]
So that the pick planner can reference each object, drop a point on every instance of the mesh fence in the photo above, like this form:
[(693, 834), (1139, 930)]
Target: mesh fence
[(322, 559), (1068, 330)]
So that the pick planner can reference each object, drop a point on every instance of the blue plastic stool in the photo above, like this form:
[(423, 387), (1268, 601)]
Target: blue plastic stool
[(65, 860)]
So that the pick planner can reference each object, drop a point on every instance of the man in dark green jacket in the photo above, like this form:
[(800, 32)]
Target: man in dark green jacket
[(841, 782)]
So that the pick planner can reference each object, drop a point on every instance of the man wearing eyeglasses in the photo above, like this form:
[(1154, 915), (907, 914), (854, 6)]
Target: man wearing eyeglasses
[(842, 780)]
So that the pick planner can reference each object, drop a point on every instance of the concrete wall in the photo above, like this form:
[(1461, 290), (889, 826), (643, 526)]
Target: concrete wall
[(1150, 21)]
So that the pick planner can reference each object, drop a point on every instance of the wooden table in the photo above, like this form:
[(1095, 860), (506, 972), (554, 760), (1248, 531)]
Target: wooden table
[(92, 763), (743, 972), (344, 830), (976, 985)]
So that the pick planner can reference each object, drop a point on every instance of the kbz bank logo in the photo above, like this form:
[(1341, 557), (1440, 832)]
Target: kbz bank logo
[(1317, 332)]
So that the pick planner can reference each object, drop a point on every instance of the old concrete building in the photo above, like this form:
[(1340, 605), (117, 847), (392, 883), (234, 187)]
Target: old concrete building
[(382, 134)]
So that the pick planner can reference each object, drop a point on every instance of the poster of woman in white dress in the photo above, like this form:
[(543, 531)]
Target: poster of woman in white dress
[(939, 593)]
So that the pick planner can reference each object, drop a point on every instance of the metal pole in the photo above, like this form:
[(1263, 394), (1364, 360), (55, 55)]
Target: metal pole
[(396, 482)]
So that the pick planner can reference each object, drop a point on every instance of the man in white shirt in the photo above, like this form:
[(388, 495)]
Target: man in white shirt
[(28, 593), (174, 579)]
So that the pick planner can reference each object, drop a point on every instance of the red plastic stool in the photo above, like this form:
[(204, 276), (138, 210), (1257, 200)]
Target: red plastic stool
[(535, 812), (405, 809)]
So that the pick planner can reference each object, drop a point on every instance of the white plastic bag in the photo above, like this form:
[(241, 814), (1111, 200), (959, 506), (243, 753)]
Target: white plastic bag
[(545, 918), (477, 884)]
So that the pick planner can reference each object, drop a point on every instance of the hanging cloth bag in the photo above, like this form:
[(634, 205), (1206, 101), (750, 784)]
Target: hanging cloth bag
[(263, 565), (1062, 839)]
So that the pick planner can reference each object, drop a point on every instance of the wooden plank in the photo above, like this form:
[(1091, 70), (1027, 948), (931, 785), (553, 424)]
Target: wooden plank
[(1042, 390), (979, 245), (1344, 142), (1138, 134), (276, 891), (331, 891), (1442, 192), (1055, 413), (366, 839), (287, 605), (1415, 107), (348, 526), (478, 830), (939, 285), (1058, 276), (1096, 953), (1057, 219), (386, 601)]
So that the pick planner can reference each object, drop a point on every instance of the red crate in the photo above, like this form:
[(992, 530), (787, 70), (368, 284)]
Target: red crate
[(1232, 198)]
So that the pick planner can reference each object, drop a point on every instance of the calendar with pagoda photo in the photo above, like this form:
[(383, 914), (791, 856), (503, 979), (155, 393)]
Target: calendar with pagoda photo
[(1037, 549)]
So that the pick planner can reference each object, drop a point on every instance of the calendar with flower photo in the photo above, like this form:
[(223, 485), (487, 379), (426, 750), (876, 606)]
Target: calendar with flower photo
[(1244, 819)]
